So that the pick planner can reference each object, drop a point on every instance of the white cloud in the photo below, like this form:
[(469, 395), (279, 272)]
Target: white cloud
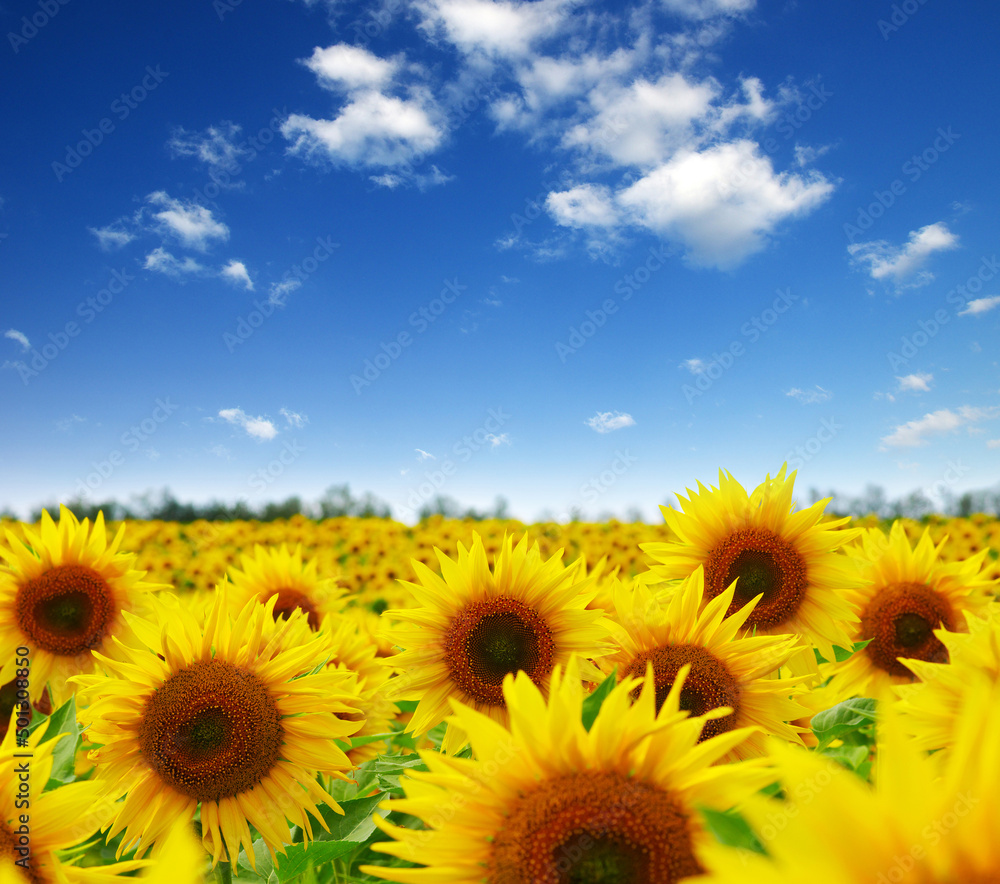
[(293, 418), (216, 147), (914, 433), (810, 397), (722, 203), (236, 273), (993, 443), (583, 206), (20, 337), (162, 261), (346, 67), (900, 263), (917, 383), (281, 290), (67, 424), (110, 238), (493, 27), (424, 455), (496, 441), (702, 9), (192, 224), (221, 451), (259, 428), (695, 366), (980, 305), (606, 421)]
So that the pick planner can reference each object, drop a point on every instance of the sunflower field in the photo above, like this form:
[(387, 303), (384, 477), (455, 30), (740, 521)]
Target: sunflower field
[(749, 692)]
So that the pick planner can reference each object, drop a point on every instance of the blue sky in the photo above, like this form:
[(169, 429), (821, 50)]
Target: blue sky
[(580, 255)]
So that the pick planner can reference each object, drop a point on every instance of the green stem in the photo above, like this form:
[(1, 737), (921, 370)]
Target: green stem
[(224, 873)]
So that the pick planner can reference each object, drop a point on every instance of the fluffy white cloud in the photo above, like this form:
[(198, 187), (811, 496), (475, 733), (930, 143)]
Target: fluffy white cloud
[(810, 397), (236, 273), (587, 205), (493, 27), (900, 263), (915, 432), (162, 261), (192, 224), (110, 238), (721, 203), (917, 383), (20, 337), (606, 421), (980, 305), (259, 428), (347, 67)]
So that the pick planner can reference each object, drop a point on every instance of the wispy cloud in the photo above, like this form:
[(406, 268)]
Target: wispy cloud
[(111, 238), (293, 418), (20, 337), (902, 263), (258, 427), (695, 366), (424, 455), (161, 261), (496, 441), (979, 306), (281, 290), (810, 397), (916, 432), (915, 383), (607, 421), (67, 424)]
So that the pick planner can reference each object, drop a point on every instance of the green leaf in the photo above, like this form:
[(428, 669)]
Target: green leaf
[(835, 723), (731, 829), (851, 757), (63, 721), (265, 868), (389, 768), (592, 704), (355, 824), (372, 738), (300, 858), (842, 654)]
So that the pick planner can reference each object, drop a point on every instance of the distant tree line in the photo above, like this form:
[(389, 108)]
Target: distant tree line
[(337, 500)]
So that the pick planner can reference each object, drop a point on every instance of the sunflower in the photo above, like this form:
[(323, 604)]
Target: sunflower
[(907, 593), (789, 558), (35, 827), (62, 596), (929, 820), (234, 717), (934, 704), (550, 801), (278, 572), (726, 670), (476, 626)]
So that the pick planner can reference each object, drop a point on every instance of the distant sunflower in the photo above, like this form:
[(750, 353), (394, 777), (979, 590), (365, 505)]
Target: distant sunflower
[(278, 572), (934, 704), (62, 596), (907, 594), (232, 717), (476, 626), (549, 801), (58, 819), (726, 670), (789, 558), (929, 820)]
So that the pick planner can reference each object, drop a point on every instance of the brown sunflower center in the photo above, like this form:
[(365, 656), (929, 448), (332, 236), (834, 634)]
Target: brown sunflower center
[(493, 637), (762, 564), (289, 600), (594, 828), (900, 621), (708, 685), (66, 610), (211, 730), (17, 848)]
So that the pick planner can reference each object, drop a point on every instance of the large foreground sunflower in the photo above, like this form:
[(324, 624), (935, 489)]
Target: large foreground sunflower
[(789, 558), (907, 594), (936, 702), (233, 717), (35, 827), (725, 670), (549, 801), (476, 626), (929, 820), (62, 596)]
